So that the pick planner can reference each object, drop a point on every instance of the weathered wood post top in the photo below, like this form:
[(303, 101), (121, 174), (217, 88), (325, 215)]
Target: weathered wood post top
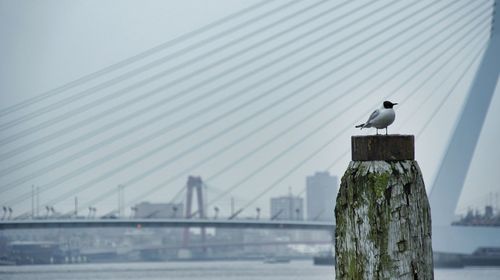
[(383, 147), (383, 221)]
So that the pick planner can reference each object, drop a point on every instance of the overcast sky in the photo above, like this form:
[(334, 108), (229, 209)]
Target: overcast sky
[(46, 44)]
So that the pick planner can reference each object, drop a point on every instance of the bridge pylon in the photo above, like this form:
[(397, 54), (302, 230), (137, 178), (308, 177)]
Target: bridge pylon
[(455, 164), (194, 184)]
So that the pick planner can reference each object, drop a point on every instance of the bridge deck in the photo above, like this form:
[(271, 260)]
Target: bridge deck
[(256, 224)]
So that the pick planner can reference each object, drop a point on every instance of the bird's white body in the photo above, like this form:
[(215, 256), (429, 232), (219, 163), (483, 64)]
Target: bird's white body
[(381, 118)]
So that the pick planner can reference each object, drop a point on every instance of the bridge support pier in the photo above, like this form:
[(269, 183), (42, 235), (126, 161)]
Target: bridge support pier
[(383, 217), (192, 184)]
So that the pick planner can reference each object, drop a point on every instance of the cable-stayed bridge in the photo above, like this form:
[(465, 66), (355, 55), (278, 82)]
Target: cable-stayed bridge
[(266, 92)]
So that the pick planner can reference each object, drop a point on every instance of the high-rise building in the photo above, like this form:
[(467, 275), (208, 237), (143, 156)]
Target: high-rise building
[(287, 208), (321, 190)]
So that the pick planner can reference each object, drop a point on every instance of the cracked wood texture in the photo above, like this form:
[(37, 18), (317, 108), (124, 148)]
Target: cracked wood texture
[(383, 226)]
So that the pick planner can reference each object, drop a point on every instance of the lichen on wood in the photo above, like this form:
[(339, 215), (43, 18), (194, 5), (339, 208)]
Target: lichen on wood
[(383, 228)]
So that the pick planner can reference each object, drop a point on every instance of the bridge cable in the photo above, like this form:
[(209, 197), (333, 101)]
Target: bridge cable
[(436, 110), (158, 133), (407, 120), (125, 149), (276, 182), (126, 184), (419, 134), (157, 90), (209, 157), (425, 100), (147, 109), (350, 90), (132, 59), (145, 67), (283, 132), (286, 175)]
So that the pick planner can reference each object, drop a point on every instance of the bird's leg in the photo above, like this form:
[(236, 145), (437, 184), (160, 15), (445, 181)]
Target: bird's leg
[(377, 130), (386, 131)]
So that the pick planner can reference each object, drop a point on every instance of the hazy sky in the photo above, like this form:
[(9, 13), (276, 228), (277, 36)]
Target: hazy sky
[(46, 44)]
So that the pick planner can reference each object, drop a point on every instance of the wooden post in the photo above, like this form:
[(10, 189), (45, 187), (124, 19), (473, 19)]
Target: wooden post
[(383, 216)]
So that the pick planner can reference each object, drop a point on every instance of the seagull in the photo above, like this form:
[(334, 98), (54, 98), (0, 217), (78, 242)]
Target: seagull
[(381, 118)]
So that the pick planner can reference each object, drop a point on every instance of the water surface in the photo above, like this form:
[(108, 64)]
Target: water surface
[(238, 270)]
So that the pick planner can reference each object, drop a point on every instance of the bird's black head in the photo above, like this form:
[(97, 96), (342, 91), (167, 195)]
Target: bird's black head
[(389, 104)]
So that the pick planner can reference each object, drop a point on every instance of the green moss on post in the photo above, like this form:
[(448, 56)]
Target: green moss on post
[(383, 226)]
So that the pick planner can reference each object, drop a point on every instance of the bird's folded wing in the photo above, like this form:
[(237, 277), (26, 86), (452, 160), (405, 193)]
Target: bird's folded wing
[(373, 116)]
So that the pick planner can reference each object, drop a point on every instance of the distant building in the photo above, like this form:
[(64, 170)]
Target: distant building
[(321, 190), (287, 208), (158, 210), (488, 212)]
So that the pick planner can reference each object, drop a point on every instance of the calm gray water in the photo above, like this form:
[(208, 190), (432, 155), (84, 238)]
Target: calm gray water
[(238, 270)]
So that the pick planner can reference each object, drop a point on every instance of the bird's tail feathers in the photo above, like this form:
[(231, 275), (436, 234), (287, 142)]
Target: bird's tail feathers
[(360, 126)]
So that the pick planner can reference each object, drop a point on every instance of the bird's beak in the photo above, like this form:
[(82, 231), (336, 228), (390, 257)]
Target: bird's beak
[(394, 103)]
